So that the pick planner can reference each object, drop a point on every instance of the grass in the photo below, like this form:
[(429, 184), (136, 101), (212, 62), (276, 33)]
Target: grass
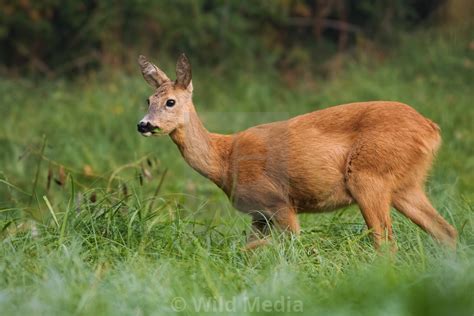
[(88, 229)]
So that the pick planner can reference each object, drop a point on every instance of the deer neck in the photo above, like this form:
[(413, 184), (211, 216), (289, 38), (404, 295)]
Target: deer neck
[(203, 151)]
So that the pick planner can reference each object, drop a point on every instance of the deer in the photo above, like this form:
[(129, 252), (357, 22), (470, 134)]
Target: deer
[(374, 154)]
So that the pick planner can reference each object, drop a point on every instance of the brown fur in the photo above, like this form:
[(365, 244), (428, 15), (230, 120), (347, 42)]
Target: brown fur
[(375, 154)]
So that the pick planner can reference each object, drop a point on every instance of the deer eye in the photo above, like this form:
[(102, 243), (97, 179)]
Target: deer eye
[(147, 102), (170, 102)]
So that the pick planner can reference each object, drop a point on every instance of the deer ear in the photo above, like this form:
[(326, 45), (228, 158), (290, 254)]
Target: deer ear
[(183, 72), (152, 74)]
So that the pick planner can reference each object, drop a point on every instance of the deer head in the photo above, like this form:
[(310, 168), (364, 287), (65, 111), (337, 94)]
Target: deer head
[(169, 105)]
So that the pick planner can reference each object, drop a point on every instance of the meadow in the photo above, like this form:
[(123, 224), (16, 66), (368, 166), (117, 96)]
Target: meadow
[(97, 220)]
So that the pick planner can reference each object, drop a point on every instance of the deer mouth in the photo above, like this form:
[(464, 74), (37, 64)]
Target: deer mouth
[(148, 129), (153, 132)]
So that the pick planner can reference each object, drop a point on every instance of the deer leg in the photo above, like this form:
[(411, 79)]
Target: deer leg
[(283, 218), (286, 220), (373, 198), (259, 232), (414, 204)]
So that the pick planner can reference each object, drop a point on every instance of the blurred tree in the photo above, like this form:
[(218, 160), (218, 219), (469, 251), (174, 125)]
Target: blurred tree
[(56, 37), (456, 12)]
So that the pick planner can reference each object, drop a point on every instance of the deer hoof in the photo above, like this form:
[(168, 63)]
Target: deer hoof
[(251, 245)]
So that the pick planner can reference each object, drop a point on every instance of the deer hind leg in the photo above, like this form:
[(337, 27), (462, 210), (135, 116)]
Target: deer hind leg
[(414, 204), (373, 197)]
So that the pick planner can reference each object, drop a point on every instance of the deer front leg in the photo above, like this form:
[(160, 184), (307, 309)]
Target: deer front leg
[(283, 218), (259, 232)]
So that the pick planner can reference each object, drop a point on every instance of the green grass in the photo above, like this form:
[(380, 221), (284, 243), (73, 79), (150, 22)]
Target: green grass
[(108, 239)]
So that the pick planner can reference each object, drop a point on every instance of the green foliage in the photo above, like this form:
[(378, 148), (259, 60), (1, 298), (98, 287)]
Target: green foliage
[(130, 246), (58, 37)]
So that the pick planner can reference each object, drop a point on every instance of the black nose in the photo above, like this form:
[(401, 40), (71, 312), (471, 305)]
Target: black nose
[(143, 127)]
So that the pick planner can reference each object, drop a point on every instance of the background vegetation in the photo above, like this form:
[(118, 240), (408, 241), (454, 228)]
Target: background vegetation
[(98, 220), (58, 37)]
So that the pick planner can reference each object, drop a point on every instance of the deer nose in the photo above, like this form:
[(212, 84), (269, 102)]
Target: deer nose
[(143, 127)]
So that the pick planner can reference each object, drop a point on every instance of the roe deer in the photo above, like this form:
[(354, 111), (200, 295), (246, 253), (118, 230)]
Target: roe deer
[(375, 154)]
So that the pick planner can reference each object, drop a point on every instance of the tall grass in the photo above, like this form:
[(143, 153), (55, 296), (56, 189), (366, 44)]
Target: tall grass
[(89, 229)]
